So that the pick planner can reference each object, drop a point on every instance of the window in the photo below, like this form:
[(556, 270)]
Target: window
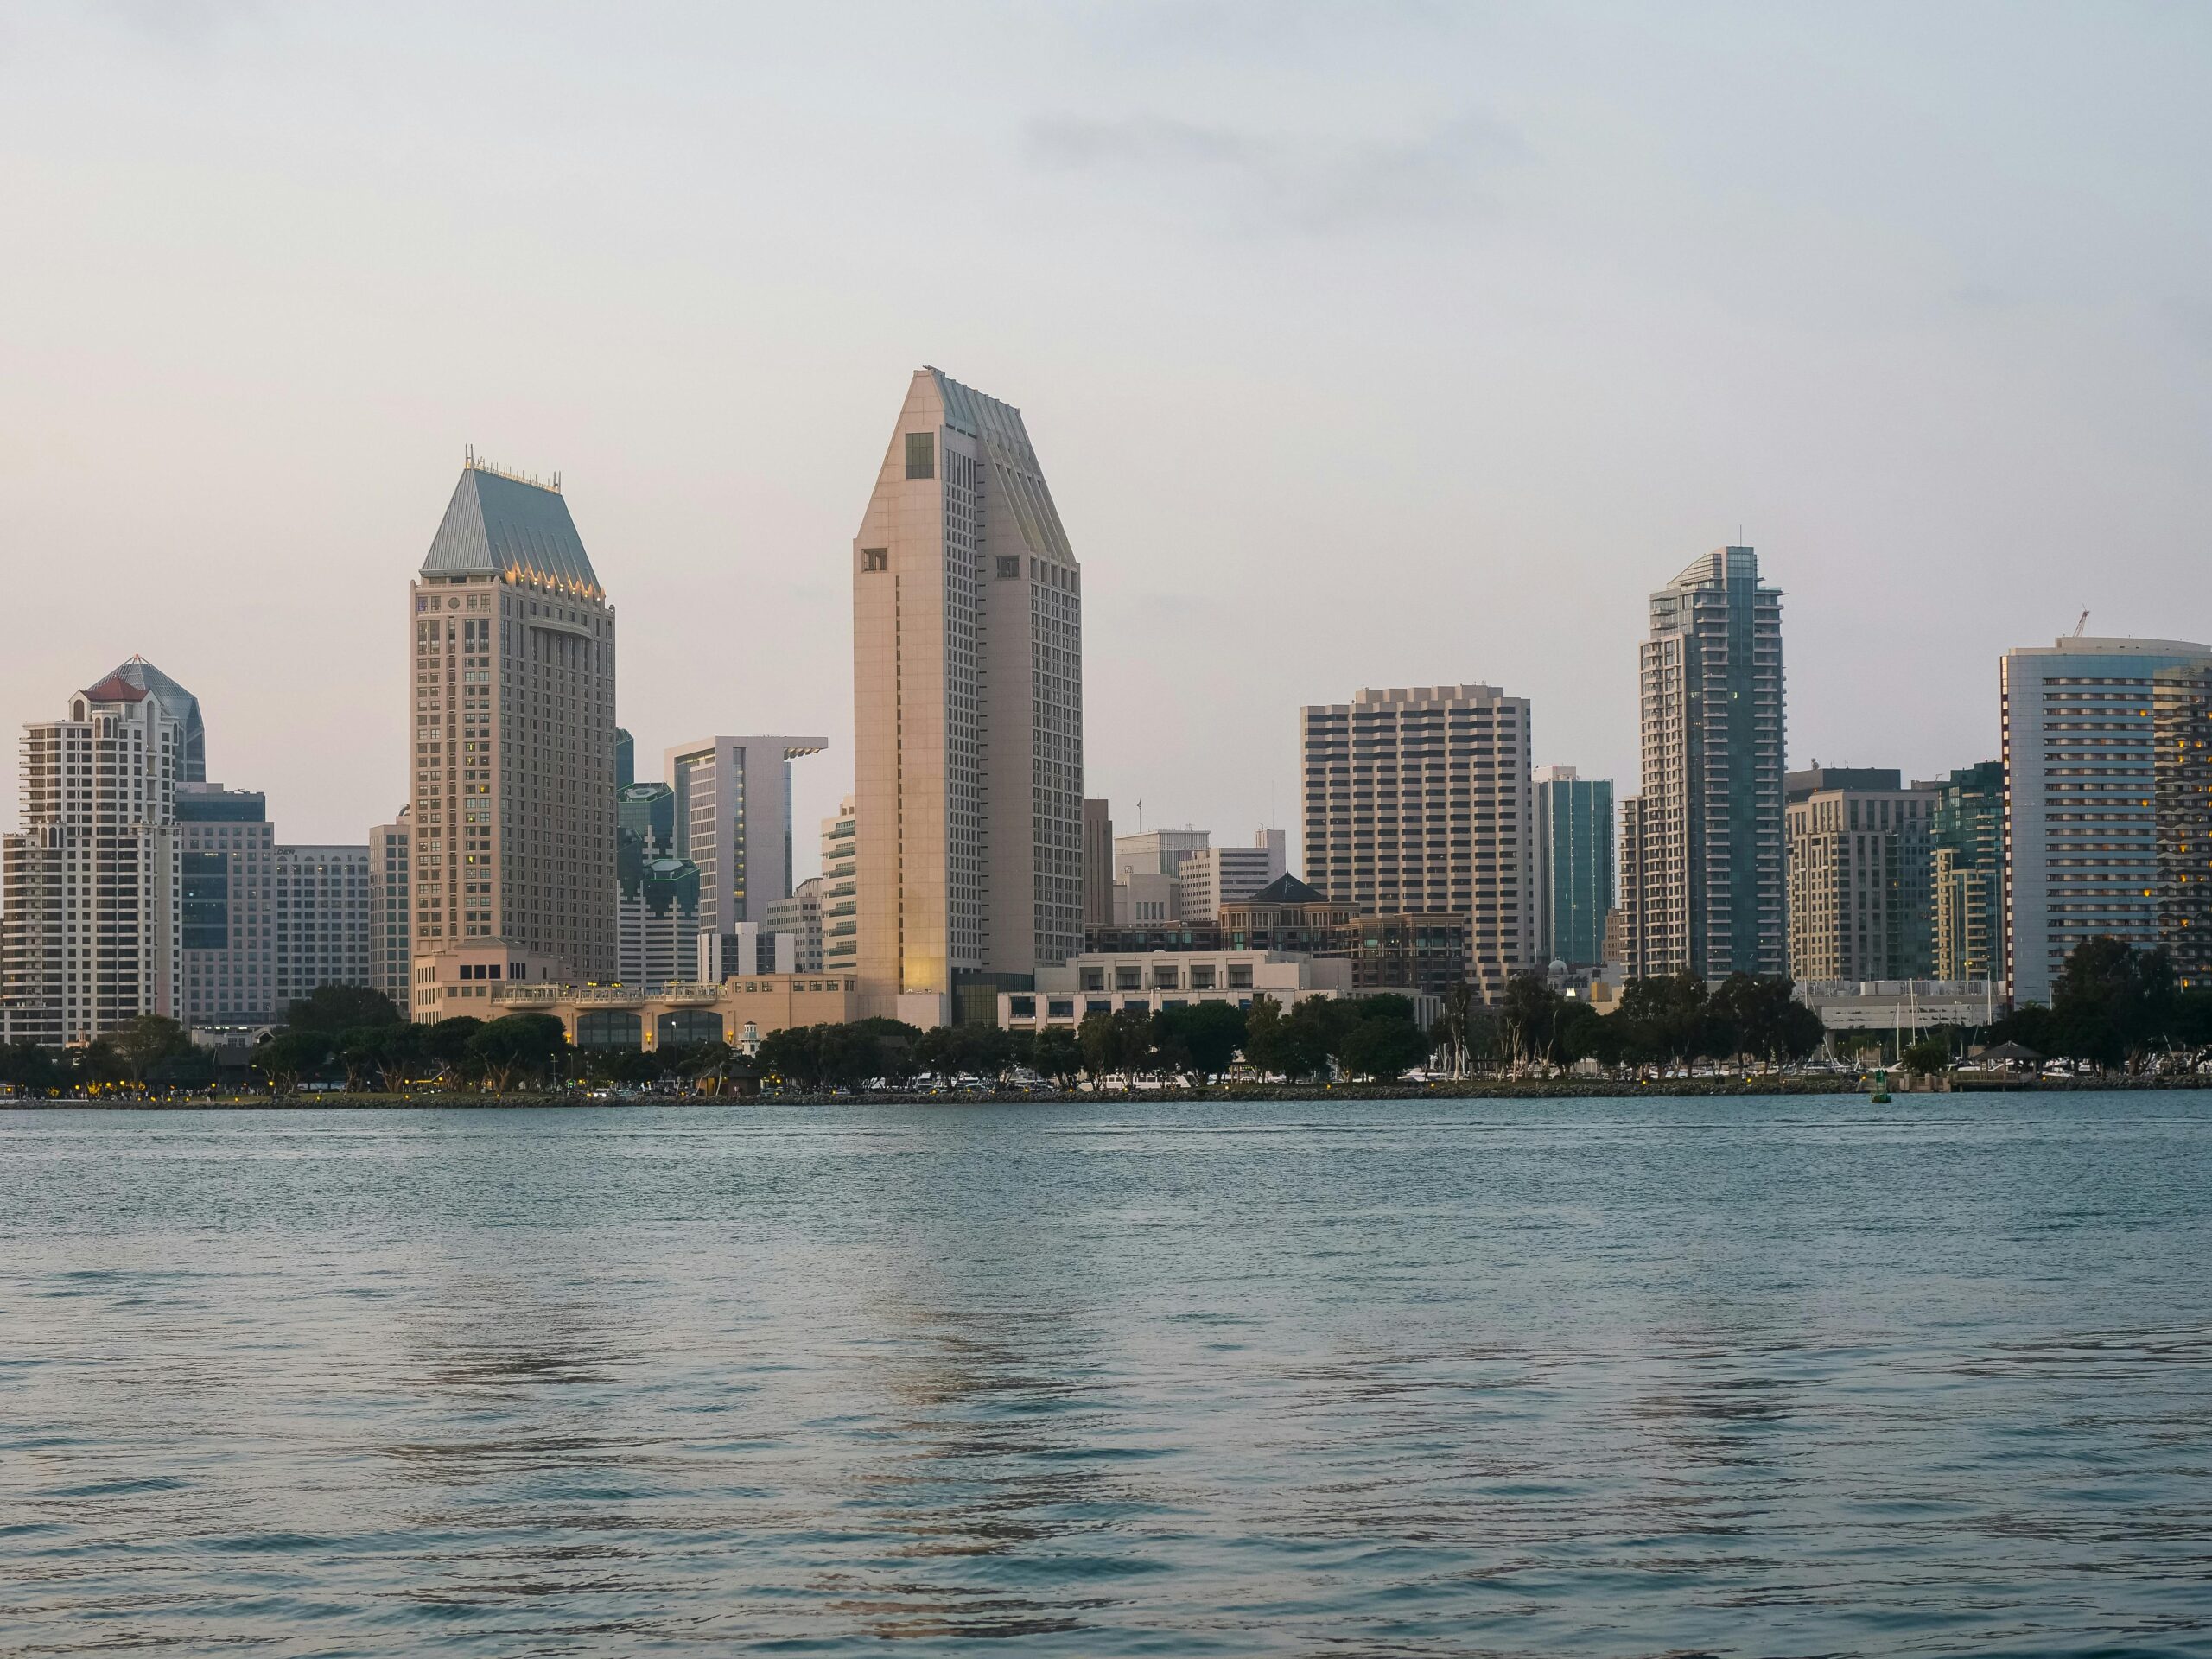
[(875, 558), (1094, 979), (1009, 565), (921, 455), (1240, 975), (1128, 979)]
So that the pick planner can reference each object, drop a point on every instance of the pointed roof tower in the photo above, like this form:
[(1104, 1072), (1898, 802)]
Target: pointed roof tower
[(179, 703), (500, 524)]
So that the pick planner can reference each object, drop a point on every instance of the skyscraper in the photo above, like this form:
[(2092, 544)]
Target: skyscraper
[(226, 958), (840, 905), (89, 940), (733, 803), (2081, 824), (1417, 802), (322, 919), (1097, 863), (2181, 713), (512, 712), (968, 712), (1711, 896), (1574, 863)]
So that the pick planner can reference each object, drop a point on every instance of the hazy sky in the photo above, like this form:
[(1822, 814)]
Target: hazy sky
[(1363, 345)]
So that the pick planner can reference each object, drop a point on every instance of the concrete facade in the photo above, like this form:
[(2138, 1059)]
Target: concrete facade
[(841, 914), (967, 709), (226, 941), (2081, 822), (89, 938), (1859, 862), (1417, 801), (1213, 876), (1097, 863), (1151, 981), (511, 707), (322, 919), (739, 1012), (392, 905)]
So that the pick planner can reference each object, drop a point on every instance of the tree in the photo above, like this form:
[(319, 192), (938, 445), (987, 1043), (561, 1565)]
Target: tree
[(284, 1056), (1058, 1055), (518, 1045), (447, 1043), (1453, 1032), (2114, 1002), (1203, 1038), (1310, 1033), (1750, 1015), (1927, 1057), (34, 1070), (147, 1041), (342, 1007), (1383, 1047), (794, 1055)]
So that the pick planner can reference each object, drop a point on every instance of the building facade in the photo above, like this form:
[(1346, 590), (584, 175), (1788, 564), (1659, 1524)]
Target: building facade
[(841, 904), (738, 1011), (391, 906), (226, 936), (968, 711), (1097, 863), (1712, 895), (2181, 715), (512, 707), (1214, 876), (322, 919), (1966, 872), (733, 806), (800, 917), (2081, 820), (1859, 867), (1151, 981), (89, 939), (1417, 802), (1575, 865)]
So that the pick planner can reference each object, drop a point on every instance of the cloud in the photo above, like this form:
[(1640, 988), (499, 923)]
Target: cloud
[(1314, 185), (183, 25)]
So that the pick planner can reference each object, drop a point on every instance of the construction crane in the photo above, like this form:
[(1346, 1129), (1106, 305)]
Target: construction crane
[(2081, 625)]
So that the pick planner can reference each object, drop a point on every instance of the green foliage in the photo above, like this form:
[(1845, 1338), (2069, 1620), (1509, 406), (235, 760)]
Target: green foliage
[(2113, 1004), (1200, 1039), (518, 1046), (147, 1041), (32, 1069), (1383, 1048), (342, 1007), (1927, 1057), (1057, 1055), (286, 1056)]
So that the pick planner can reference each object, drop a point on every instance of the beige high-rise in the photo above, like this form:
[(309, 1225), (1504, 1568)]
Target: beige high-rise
[(968, 713), (513, 644)]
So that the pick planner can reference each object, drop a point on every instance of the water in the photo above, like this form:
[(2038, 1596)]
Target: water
[(1803, 1377)]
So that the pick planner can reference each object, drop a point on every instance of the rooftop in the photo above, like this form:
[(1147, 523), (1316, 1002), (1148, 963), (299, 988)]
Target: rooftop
[(501, 525)]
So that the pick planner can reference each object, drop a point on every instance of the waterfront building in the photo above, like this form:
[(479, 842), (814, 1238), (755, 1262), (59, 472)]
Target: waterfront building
[(732, 818), (2081, 822), (1710, 895), (1575, 865), (392, 905), (1097, 864), (322, 919), (1860, 866), (1213, 876), (841, 857), (1417, 802), (88, 941), (1150, 982), (968, 712), (226, 921), (463, 977), (1423, 952), (799, 917), (1901, 1006), (512, 716), (2181, 715), (1966, 871), (738, 1011)]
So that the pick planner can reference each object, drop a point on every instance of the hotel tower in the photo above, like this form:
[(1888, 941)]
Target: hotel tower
[(513, 654), (968, 713)]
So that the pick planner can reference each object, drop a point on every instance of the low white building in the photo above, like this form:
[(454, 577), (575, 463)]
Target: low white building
[(1902, 1004), (1149, 980)]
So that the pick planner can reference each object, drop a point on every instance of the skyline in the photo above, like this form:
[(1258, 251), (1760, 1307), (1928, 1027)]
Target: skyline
[(1948, 391)]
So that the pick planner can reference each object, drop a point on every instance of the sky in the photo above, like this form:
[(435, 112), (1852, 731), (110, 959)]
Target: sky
[(1376, 344)]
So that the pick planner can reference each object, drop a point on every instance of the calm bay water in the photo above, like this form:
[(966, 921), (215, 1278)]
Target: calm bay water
[(1806, 1377)]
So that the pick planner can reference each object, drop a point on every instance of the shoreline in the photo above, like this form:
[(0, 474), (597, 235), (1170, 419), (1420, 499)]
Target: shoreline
[(1471, 1089)]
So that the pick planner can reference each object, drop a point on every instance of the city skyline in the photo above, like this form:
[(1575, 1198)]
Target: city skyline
[(1536, 357)]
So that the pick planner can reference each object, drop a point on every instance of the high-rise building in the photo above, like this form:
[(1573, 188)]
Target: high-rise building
[(841, 914), (968, 712), (1575, 865), (2181, 713), (1858, 874), (1213, 876), (92, 906), (322, 919), (227, 857), (512, 714), (2080, 822), (1097, 863), (392, 905), (1417, 802), (1966, 871), (192, 758), (733, 803), (1709, 830), (800, 916)]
